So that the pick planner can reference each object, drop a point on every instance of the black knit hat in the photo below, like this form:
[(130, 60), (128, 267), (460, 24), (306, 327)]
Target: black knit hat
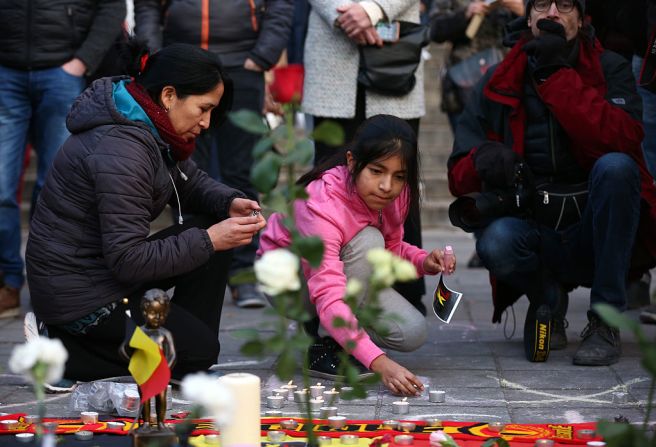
[(579, 4)]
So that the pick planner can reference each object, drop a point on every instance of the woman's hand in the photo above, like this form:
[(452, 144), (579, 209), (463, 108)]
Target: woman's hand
[(476, 7), (235, 231), (396, 378), (243, 207), (434, 263), (353, 19)]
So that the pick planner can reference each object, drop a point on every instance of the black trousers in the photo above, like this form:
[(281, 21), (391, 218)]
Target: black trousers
[(194, 317), (412, 291)]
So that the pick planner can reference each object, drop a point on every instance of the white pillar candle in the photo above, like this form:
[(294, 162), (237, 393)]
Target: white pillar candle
[(437, 396), (290, 387), (275, 401), (331, 396), (315, 404), (244, 427), (317, 390), (300, 396), (401, 406)]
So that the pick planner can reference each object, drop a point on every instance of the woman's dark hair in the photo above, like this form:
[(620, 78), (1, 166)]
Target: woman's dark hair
[(189, 69), (378, 138)]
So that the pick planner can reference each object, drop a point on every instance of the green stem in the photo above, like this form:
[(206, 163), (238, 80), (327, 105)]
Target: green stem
[(309, 426), (649, 399)]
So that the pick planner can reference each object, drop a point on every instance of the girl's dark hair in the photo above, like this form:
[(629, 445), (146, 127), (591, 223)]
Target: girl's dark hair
[(378, 138), (189, 69)]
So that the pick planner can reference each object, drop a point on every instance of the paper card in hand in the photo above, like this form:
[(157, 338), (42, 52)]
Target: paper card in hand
[(445, 301)]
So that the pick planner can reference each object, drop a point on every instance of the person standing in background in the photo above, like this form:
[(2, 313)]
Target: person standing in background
[(48, 47), (249, 37)]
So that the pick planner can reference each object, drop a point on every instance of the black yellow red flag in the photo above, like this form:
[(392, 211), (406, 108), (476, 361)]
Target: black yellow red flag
[(148, 364), (445, 301)]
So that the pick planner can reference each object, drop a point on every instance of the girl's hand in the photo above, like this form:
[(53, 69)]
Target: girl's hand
[(243, 207), (434, 263), (476, 7), (235, 231), (396, 378)]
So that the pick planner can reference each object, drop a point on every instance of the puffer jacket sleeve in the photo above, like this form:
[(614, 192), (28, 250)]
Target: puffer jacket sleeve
[(124, 169), (200, 193), (274, 33), (148, 22), (105, 28)]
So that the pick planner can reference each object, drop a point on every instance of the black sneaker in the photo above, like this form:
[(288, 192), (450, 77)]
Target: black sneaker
[(247, 296), (558, 339), (601, 344), (537, 333), (324, 361)]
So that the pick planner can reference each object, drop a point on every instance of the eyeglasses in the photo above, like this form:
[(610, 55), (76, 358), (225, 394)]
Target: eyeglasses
[(562, 5)]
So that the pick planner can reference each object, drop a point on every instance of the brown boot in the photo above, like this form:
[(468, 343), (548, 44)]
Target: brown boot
[(9, 302)]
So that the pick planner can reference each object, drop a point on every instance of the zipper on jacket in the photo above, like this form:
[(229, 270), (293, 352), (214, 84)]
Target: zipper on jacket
[(180, 219), (71, 22)]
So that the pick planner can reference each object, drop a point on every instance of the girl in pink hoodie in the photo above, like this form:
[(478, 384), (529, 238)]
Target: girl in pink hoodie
[(357, 201)]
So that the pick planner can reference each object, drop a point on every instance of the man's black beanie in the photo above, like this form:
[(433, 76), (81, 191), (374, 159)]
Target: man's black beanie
[(579, 4)]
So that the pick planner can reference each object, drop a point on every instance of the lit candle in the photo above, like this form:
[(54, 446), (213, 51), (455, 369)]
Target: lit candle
[(585, 433), (31, 419), (280, 392), (324, 440), (301, 396), (24, 437), (244, 428), (290, 387), (349, 439), (331, 396), (289, 424), (403, 439), (317, 390), (9, 424), (315, 404), (496, 427), (326, 412), (544, 443), (276, 435), (407, 426), (273, 414), (337, 422), (437, 396), (83, 435), (401, 406), (275, 401)]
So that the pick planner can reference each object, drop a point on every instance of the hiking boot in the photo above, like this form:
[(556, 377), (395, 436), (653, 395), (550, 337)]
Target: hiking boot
[(558, 339), (537, 333), (324, 361), (9, 302), (648, 315), (247, 296), (601, 344)]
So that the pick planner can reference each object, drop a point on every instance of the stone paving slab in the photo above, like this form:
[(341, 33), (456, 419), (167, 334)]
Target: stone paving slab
[(485, 376)]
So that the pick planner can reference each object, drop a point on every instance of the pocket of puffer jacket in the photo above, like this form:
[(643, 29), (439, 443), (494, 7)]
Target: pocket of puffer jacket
[(559, 206)]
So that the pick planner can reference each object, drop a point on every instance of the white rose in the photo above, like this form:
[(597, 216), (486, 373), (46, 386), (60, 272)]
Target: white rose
[(383, 275), (206, 391), (353, 287), (277, 272), (379, 257), (404, 270), (43, 350)]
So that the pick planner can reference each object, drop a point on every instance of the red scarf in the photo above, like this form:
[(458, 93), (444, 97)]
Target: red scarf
[(180, 148)]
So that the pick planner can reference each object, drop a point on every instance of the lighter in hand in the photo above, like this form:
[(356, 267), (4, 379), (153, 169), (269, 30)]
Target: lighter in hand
[(448, 259)]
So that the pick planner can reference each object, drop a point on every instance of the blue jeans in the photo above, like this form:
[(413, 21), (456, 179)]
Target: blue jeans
[(33, 107), (596, 252), (648, 120)]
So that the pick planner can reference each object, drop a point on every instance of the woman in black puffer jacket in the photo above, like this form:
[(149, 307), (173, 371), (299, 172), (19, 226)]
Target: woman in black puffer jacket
[(89, 244)]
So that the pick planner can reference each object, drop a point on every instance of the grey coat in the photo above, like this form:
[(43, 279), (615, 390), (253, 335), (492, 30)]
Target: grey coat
[(87, 245), (331, 66)]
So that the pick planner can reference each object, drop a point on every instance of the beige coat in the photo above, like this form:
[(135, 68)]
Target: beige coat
[(331, 66)]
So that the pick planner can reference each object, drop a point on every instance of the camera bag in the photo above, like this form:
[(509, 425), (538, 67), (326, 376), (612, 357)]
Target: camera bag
[(559, 205)]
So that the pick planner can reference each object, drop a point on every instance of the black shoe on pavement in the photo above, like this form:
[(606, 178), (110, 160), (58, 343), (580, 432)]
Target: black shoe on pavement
[(247, 296), (601, 344), (324, 361), (537, 333), (558, 334), (648, 314)]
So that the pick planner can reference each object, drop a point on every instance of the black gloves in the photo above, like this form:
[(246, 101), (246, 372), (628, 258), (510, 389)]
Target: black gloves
[(495, 164), (550, 49)]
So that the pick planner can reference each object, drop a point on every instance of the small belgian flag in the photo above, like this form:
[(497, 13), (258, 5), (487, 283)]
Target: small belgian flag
[(148, 364)]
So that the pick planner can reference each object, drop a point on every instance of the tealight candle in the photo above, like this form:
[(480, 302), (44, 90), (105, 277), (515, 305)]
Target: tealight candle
[(301, 396), (544, 443), (403, 439), (276, 435), (596, 444), (326, 412), (336, 422), (324, 440), (289, 424), (316, 404), (273, 413), (437, 396), (89, 417), (434, 422), (496, 427), (585, 433), (9, 424), (407, 426), (115, 425), (349, 439), (212, 439), (401, 406), (83, 435), (390, 424), (275, 401), (31, 419), (331, 396), (4, 414), (317, 390), (291, 388), (24, 437)]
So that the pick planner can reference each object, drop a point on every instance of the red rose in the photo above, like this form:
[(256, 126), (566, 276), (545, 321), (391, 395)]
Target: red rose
[(287, 85)]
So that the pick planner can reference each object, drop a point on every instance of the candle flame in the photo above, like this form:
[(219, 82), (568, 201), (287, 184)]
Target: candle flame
[(404, 399), (318, 383), (290, 382), (333, 390)]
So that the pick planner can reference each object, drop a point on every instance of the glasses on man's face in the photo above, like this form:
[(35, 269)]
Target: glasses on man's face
[(562, 5)]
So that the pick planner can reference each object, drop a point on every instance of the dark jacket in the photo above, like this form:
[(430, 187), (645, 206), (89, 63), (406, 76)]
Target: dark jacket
[(595, 102), (87, 245), (37, 34), (234, 29)]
